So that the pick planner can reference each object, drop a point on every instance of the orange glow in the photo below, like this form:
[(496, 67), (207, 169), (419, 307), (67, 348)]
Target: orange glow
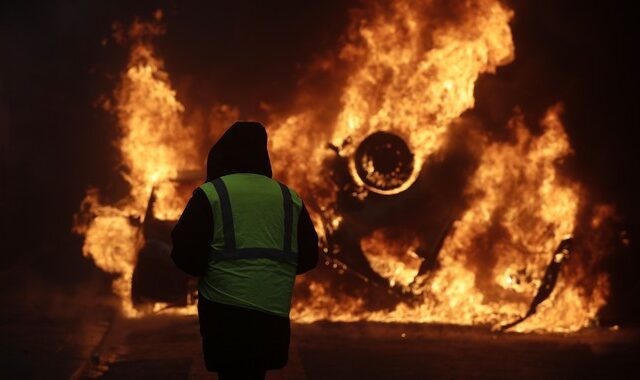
[(517, 187), (155, 145), (400, 86), (413, 76), (395, 260)]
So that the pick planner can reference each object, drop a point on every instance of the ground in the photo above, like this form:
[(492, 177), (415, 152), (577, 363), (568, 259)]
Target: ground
[(168, 347)]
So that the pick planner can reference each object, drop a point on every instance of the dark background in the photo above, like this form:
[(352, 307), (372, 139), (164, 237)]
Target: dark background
[(54, 140)]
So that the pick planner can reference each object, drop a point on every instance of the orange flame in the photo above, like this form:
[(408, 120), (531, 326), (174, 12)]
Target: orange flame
[(413, 76), (517, 187), (155, 146), (399, 85)]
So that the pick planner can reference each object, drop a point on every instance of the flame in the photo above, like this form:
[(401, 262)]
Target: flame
[(418, 92), (155, 145), (411, 73), (395, 260), (518, 188), (416, 87)]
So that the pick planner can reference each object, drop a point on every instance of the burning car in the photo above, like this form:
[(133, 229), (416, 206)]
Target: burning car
[(155, 278), (423, 218), (380, 195)]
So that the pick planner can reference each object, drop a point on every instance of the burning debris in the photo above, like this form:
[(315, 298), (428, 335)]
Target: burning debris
[(155, 146), (548, 282), (413, 228)]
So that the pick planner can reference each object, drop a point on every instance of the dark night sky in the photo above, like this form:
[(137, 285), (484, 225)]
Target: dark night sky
[(54, 141)]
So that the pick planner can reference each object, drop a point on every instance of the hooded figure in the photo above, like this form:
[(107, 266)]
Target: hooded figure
[(247, 333)]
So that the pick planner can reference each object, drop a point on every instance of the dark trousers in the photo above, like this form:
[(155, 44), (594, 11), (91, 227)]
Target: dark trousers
[(242, 343), (242, 374)]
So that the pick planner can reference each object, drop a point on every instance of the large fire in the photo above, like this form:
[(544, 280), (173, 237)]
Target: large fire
[(411, 74), (155, 147)]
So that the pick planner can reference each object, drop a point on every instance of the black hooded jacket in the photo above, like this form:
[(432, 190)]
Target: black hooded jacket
[(241, 149)]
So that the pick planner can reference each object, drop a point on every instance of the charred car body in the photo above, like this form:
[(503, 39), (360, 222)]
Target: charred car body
[(379, 189)]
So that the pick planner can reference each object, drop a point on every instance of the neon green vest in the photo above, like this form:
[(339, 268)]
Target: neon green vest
[(253, 256)]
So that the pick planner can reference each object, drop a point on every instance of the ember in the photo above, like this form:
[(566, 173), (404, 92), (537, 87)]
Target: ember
[(476, 258)]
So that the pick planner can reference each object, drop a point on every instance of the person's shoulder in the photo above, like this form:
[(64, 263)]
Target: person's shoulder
[(204, 194), (294, 195), (198, 191), (206, 190)]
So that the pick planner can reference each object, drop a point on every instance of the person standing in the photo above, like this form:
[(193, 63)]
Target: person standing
[(246, 236)]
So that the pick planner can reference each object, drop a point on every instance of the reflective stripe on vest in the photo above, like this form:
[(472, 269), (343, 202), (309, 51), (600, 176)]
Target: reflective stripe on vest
[(230, 251)]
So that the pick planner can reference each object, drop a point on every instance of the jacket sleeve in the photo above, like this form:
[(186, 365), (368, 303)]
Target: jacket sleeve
[(307, 243), (192, 235)]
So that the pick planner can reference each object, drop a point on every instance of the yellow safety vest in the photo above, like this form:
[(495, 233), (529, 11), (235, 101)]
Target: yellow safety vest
[(254, 245)]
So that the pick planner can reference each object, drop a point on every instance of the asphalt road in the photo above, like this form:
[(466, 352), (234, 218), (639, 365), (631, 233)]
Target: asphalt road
[(168, 347)]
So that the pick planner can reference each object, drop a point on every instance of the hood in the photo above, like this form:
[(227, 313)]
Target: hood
[(241, 149)]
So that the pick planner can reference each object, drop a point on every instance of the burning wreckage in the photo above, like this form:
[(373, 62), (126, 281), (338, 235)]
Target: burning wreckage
[(383, 165), (424, 215)]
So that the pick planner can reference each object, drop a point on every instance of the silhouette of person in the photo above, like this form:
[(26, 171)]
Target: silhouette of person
[(245, 236)]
